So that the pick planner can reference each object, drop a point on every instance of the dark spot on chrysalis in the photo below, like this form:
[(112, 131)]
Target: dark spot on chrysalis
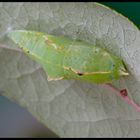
[(80, 74), (28, 51)]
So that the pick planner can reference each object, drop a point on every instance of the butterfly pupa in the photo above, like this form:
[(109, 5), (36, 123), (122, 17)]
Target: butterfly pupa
[(63, 58)]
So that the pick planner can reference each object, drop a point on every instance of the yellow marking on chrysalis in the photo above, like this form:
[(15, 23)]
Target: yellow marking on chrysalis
[(86, 73), (55, 79), (54, 45), (50, 42), (105, 54), (60, 48), (123, 72)]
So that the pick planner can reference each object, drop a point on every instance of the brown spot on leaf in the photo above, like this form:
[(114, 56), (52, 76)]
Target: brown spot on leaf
[(124, 92)]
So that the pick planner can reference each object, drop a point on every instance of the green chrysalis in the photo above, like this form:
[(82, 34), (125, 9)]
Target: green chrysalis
[(63, 58)]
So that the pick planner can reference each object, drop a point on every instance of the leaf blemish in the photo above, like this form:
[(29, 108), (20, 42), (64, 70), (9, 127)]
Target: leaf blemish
[(124, 92)]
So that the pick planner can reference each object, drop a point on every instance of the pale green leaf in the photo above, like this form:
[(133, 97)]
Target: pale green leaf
[(72, 108)]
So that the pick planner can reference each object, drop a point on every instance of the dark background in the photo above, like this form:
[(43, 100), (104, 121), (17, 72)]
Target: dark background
[(17, 122), (128, 9)]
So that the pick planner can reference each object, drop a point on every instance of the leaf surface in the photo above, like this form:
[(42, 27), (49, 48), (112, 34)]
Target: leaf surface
[(72, 108)]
